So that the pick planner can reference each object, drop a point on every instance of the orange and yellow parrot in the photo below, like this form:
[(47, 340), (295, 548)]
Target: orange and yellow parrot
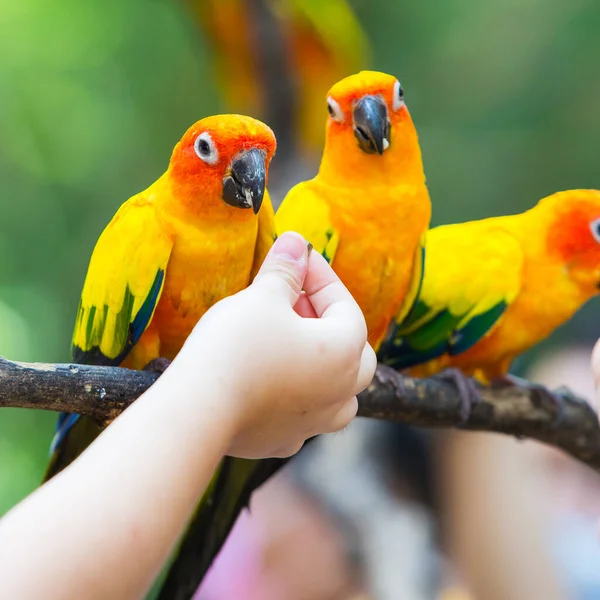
[(368, 208), (371, 179), (496, 287), (195, 236), (271, 56)]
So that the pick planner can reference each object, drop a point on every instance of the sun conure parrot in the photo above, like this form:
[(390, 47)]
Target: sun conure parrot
[(368, 208), (195, 236), (496, 287), (276, 59), (371, 179)]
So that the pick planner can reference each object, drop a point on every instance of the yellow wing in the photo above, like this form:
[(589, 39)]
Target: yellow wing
[(123, 284), (266, 234), (305, 212), (416, 282), (473, 273)]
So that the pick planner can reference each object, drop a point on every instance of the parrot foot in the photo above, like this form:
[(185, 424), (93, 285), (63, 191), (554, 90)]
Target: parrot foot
[(542, 396), (467, 390), (158, 365)]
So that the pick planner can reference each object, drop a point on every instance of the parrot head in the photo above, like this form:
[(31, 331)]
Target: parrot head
[(369, 127), (573, 235), (223, 160)]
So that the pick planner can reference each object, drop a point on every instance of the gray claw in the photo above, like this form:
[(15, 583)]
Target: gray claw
[(467, 391)]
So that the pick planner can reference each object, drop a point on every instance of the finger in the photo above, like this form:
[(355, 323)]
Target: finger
[(333, 302), (366, 371), (285, 267), (323, 287), (304, 308), (287, 450), (343, 417)]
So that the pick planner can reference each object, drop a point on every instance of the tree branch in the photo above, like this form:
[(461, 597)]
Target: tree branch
[(564, 421), (568, 422), (98, 392)]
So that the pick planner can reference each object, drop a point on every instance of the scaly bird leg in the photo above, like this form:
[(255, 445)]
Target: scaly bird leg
[(158, 365), (466, 387)]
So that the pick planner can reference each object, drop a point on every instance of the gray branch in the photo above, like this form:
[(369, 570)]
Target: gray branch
[(566, 422)]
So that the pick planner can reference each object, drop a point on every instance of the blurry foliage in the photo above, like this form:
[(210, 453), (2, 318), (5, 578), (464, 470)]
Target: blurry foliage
[(93, 96), (316, 44)]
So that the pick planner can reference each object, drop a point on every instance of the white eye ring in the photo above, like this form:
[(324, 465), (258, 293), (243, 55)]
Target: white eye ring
[(595, 227), (205, 148), (398, 99), (334, 110)]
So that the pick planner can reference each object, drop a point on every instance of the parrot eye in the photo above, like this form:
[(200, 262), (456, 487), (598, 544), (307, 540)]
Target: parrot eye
[(334, 110), (205, 149), (398, 99), (595, 227)]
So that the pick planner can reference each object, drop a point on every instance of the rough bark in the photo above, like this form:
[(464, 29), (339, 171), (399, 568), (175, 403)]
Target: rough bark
[(566, 421)]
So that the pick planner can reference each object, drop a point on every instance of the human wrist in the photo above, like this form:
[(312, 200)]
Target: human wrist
[(202, 400)]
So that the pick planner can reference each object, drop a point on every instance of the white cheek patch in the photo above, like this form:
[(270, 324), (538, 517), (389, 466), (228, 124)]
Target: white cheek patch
[(595, 228), (205, 149), (335, 112), (398, 97), (386, 144)]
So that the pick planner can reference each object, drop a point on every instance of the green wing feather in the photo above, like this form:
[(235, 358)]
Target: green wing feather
[(302, 210), (228, 494), (229, 491), (471, 278), (123, 285)]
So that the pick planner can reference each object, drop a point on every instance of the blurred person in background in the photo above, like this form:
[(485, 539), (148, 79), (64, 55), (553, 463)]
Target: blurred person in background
[(377, 511), (499, 491), (573, 489)]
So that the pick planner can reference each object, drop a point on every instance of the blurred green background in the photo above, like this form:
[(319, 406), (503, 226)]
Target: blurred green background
[(93, 96)]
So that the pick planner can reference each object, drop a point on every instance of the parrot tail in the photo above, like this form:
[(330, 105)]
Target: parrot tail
[(74, 434), (227, 495)]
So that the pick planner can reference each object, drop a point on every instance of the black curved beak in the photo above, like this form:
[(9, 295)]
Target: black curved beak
[(244, 187), (371, 124)]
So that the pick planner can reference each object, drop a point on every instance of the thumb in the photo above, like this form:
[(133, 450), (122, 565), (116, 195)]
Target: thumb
[(285, 267)]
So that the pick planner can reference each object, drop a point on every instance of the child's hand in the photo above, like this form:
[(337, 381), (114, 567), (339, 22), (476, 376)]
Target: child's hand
[(256, 378), (286, 365)]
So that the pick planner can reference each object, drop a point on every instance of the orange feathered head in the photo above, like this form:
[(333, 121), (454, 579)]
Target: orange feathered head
[(223, 158), (369, 127), (573, 234)]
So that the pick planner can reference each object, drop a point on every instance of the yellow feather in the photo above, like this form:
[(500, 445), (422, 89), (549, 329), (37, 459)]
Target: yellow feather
[(466, 269), (534, 269), (416, 280), (305, 212), (131, 250), (266, 234), (366, 210)]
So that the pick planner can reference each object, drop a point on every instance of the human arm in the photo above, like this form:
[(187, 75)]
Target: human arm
[(256, 378)]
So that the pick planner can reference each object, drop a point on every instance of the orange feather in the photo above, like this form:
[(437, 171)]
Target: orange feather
[(366, 211)]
